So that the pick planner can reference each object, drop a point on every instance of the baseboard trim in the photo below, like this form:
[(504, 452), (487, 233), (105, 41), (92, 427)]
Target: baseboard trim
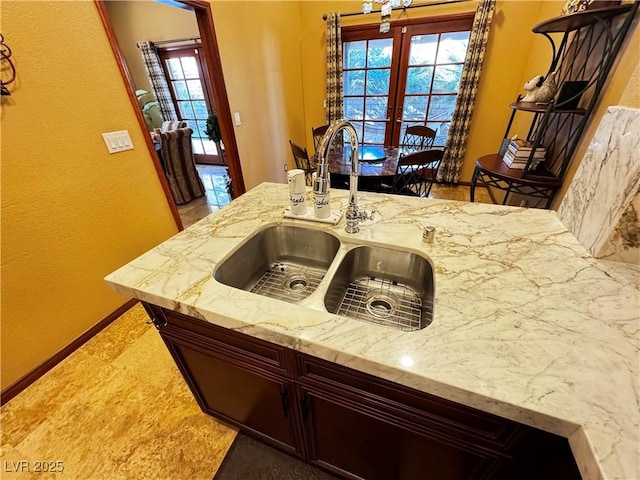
[(19, 385)]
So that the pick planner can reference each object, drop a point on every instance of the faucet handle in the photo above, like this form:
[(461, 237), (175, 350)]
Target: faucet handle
[(364, 215)]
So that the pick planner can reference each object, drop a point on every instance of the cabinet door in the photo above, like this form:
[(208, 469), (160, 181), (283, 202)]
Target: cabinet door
[(354, 437), (248, 397)]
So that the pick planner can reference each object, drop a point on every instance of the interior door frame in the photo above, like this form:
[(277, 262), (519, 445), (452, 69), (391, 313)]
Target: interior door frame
[(204, 18), (205, 81)]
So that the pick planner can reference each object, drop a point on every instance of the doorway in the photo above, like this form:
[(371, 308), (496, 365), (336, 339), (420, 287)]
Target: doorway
[(408, 76), (191, 90), (209, 52)]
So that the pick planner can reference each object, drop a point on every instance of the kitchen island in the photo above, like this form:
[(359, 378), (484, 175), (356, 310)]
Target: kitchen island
[(526, 325)]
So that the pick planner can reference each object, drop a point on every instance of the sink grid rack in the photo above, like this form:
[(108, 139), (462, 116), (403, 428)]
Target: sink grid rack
[(288, 281), (385, 302)]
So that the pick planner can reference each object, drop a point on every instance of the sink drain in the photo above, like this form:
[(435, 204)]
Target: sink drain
[(296, 282), (381, 305)]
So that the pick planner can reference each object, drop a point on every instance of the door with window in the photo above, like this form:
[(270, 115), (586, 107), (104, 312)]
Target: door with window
[(192, 96), (408, 76)]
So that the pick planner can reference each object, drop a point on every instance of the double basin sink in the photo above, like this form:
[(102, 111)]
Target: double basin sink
[(314, 268)]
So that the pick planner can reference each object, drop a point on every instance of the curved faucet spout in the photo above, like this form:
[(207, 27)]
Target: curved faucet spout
[(322, 175)]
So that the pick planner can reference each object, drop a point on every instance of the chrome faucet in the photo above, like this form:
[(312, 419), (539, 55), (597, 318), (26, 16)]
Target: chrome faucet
[(321, 182)]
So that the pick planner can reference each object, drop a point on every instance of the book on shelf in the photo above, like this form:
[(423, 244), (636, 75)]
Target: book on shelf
[(519, 145), (512, 161), (539, 153)]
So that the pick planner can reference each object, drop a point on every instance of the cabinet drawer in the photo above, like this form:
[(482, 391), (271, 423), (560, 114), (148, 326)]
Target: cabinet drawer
[(235, 346), (427, 410)]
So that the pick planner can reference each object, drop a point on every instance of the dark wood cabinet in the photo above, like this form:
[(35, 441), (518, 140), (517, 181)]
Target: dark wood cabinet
[(359, 439), (255, 400), (352, 424), (236, 378)]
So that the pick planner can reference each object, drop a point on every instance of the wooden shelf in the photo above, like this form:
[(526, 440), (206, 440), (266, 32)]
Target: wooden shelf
[(574, 21), (542, 107)]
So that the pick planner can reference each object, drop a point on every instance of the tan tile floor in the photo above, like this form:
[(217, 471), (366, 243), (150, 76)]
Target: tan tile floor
[(216, 196), (117, 408)]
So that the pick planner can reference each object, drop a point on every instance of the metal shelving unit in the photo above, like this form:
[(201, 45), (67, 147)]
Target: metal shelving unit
[(581, 58)]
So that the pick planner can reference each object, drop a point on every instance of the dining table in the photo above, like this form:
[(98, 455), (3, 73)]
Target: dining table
[(377, 166)]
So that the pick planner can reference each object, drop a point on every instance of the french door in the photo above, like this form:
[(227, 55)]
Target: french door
[(408, 76), (192, 96)]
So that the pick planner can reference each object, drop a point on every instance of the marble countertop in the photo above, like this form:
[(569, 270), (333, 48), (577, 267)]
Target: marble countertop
[(527, 325)]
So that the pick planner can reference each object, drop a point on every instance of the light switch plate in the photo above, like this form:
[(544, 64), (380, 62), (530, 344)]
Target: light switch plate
[(118, 141), (236, 115)]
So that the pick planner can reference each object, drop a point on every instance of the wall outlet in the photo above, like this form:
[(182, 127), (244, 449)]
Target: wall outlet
[(117, 141), (286, 167)]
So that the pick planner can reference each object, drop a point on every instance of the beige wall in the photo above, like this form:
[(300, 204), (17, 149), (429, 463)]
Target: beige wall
[(260, 50), (138, 21), (71, 212), (276, 76)]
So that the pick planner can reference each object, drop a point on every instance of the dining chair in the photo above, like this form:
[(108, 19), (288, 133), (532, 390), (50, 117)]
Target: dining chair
[(418, 137), (416, 172), (302, 160), (318, 133)]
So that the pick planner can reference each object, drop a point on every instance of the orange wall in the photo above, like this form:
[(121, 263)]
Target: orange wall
[(71, 212)]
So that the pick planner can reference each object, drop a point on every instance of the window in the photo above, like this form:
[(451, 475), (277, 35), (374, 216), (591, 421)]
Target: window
[(191, 95), (408, 76)]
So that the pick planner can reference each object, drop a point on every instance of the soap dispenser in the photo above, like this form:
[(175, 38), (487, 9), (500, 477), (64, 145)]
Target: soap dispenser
[(321, 199), (297, 191)]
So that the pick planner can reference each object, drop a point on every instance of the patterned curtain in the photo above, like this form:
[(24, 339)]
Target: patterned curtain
[(158, 80), (334, 68), (451, 164)]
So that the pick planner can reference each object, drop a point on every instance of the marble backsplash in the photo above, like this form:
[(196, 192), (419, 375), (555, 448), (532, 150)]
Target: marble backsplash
[(602, 206)]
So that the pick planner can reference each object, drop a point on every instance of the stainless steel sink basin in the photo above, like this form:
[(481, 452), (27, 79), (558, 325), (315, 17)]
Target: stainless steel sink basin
[(384, 286), (282, 262)]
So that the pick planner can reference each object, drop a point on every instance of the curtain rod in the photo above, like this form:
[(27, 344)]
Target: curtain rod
[(178, 40), (442, 2)]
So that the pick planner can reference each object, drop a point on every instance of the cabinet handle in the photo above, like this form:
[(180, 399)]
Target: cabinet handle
[(284, 398), (157, 322)]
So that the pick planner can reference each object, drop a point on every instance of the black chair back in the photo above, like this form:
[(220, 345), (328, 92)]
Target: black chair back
[(301, 157), (418, 137), (318, 133), (416, 172)]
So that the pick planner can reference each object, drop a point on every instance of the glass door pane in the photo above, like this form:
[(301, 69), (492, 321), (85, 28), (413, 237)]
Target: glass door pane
[(368, 74), (185, 75), (430, 81), (409, 76)]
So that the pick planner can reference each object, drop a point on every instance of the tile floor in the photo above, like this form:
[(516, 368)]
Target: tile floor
[(117, 408), (214, 179)]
